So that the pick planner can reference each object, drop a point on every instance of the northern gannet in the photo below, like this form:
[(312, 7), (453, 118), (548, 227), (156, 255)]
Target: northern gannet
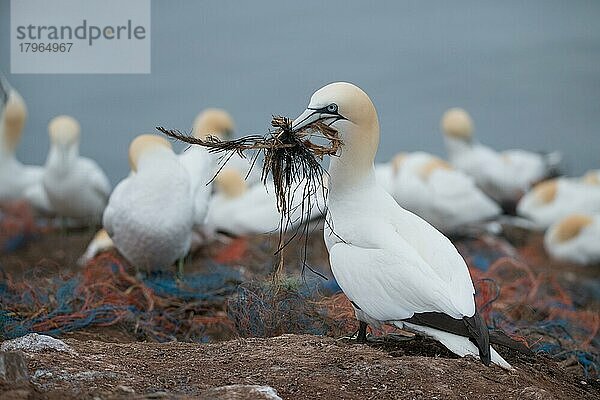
[(393, 266), (199, 163), (554, 199), (443, 196), (239, 209), (504, 176), (217, 122), (592, 177), (385, 173), (15, 178), (149, 215), (76, 186), (575, 238)]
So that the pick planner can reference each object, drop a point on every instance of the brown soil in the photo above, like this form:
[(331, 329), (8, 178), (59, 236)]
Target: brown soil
[(297, 366)]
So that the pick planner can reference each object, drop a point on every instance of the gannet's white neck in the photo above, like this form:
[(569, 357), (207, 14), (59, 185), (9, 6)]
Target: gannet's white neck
[(62, 157), (7, 152), (9, 139), (353, 166), (456, 146)]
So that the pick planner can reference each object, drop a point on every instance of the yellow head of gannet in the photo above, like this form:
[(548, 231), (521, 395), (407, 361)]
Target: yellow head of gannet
[(64, 130), (397, 161), (570, 227), (429, 167), (15, 115), (545, 192), (592, 177), (143, 144), (349, 109), (231, 183), (457, 123), (214, 122)]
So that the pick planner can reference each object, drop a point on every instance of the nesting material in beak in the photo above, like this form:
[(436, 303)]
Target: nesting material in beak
[(290, 158)]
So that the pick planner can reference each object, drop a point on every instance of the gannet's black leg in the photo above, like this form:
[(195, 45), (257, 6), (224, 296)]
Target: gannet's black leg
[(362, 332)]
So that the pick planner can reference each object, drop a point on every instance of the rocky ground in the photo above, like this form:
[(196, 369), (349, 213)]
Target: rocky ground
[(296, 366)]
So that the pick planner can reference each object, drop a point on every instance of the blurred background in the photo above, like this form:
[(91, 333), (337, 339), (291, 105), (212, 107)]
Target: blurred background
[(528, 72)]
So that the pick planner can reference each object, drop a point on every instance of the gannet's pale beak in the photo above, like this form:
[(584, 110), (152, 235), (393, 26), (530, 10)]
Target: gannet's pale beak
[(306, 118)]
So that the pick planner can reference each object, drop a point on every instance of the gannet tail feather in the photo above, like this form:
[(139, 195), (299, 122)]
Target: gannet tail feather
[(459, 345), (473, 328)]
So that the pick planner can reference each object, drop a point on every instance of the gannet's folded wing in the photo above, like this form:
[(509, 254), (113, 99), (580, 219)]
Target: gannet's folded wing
[(394, 282), (96, 177)]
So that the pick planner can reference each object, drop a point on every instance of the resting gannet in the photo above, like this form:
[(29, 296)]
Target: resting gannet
[(217, 122), (592, 177), (394, 267), (149, 215), (199, 163), (504, 176), (443, 196), (554, 199), (76, 186), (385, 173), (15, 178), (575, 238), (239, 209)]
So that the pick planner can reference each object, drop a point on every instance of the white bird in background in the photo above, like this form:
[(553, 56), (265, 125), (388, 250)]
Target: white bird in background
[(199, 163), (149, 215), (555, 199), (101, 242), (385, 173), (394, 266), (15, 178), (77, 188), (592, 177), (575, 238), (217, 122), (445, 197), (504, 176), (239, 209)]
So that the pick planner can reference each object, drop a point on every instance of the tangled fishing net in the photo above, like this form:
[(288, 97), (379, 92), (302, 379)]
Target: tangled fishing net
[(17, 225), (157, 307), (262, 309), (526, 300)]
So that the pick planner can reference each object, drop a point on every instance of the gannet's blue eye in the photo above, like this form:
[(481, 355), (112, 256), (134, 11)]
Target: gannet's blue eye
[(332, 108)]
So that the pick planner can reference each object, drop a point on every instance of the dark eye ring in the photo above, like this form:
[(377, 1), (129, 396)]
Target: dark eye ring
[(332, 108)]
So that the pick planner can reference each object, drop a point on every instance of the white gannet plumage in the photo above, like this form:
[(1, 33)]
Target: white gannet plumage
[(385, 173), (15, 178), (504, 176), (551, 200), (239, 209), (443, 196), (390, 263), (149, 215), (76, 186), (219, 123), (592, 177), (200, 164), (575, 238)]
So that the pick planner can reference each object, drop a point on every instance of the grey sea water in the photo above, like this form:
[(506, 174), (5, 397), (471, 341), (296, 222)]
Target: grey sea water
[(529, 73)]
